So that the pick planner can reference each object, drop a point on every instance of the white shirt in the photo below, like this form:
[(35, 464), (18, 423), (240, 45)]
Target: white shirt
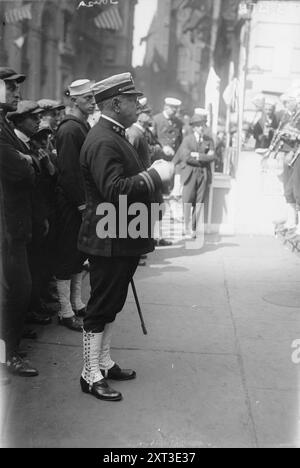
[(136, 124), (111, 120), (24, 138)]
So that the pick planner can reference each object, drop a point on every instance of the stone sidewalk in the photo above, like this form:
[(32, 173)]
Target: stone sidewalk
[(215, 369)]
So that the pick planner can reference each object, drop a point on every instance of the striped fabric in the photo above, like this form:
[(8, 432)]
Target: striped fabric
[(109, 19), (15, 15)]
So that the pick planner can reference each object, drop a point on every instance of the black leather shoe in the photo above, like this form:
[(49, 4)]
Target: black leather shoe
[(73, 323), (38, 319), (101, 390), (81, 312), (116, 373), (17, 366)]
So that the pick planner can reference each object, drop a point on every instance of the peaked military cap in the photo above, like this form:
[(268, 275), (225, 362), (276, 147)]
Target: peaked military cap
[(170, 101), (8, 74), (114, 86)]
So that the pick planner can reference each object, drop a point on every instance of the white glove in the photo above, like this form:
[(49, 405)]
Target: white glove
[(165, 169), (168, 151)]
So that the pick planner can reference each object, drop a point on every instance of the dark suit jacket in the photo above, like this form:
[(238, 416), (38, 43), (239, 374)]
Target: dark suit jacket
[(168, 132), (70, 137), (187, 163), (17, 179), (111, 167)]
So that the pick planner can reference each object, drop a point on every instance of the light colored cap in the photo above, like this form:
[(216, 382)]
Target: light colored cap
[(169, 101), (201, 111), (80, 87)]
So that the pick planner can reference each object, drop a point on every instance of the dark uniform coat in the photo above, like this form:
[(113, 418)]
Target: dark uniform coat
[(111, 167), (167, 131), (70, 137)]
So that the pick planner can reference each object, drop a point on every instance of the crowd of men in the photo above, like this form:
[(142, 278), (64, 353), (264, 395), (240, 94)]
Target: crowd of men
[(55, 171)]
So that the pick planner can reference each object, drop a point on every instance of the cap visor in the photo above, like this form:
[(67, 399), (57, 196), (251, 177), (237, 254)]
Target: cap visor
[(17, 78), (134, 92)]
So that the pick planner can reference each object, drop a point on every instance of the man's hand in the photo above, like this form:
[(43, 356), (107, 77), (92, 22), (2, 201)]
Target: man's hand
[(168, 151), (165, 169)]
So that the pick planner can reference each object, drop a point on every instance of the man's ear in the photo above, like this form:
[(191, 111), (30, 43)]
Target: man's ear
[(73, 101), (115, 105), (2, 92)]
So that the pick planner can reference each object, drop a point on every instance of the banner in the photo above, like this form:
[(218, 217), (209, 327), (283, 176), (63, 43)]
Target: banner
[(15, 15)]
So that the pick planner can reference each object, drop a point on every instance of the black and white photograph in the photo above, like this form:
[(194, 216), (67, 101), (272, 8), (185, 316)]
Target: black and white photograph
[(149, 226)]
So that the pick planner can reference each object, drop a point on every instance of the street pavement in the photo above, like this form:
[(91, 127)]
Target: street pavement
[(215, 369)]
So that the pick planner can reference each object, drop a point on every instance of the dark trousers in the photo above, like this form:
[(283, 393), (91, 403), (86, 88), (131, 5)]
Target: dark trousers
[(110, 279), (41, 269), (16, 291), (69, 260), (193, 193)]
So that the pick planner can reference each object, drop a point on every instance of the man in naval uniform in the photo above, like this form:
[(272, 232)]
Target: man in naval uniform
[(112, 168), (168, 128)]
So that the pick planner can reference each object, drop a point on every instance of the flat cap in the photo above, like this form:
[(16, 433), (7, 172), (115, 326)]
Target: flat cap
[(50, 104), (80, 87), (8, 74), (25, 108), (114, 86), (170, 101), (198, 119)]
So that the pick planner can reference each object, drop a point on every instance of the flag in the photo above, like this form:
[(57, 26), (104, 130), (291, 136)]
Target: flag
[(109, 19), (19, 42), (15, 15)]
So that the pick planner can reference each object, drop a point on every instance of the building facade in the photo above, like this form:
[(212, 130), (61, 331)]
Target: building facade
[(55, 42), (185, 39)]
